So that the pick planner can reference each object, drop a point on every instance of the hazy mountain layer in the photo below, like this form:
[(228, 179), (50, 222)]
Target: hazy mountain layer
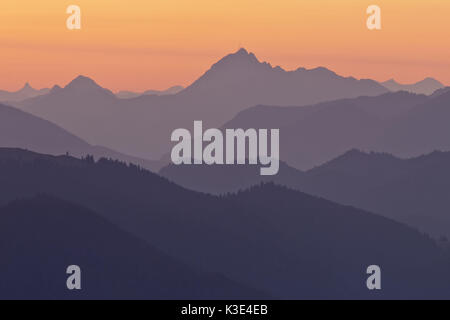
[(401, 123), (25, 93), (426, 86), (22, 130)]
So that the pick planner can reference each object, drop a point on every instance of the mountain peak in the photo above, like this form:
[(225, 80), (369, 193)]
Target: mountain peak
[(242, 51), (27, 88), (431, 81), (82, 82), (83, 85), (86, 84), (239, 58)]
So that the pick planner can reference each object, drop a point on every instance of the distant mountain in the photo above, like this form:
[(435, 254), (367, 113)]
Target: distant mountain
[(413, 191), (26, 92), (142, 126), (426, 86), (312, 135), (22, 130), (440, 91), (423, 129), (131, 94), (241, 78), (53, 234), (286, 243)]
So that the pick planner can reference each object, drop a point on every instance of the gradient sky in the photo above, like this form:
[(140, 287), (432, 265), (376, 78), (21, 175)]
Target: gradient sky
[(154, 44)]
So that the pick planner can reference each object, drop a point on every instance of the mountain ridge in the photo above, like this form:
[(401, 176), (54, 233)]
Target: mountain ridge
[(426, 86), (142, 126), (27, 91), (19, 129), (322, 247)]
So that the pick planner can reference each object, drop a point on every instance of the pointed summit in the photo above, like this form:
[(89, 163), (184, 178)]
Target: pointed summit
[(242, 51), (27, 86), (240, 58)]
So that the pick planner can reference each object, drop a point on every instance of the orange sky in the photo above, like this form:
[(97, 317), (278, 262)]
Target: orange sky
[(153, 44)]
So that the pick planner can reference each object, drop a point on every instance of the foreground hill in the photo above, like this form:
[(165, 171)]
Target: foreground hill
[(280, 241), (41, 237)]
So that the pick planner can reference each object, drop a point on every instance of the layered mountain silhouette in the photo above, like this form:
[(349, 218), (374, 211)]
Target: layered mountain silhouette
[(422, 130), (426, 86), (401, 123), (26, 92), (42, 236), (22, 130), (131, 94), (142, 126), (440, 92), (413, 191), (282, 242), (222, 179)]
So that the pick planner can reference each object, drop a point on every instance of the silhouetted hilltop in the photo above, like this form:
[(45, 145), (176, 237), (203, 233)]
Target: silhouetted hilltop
[(42, 236), (280, 241)]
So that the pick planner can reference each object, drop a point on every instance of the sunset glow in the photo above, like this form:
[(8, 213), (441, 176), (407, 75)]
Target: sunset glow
[(154, 44)]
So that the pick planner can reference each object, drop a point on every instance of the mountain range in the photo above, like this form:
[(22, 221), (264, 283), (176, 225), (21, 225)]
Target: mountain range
[(282, 242), (403, 124), (426, 86), (26, 92), (414, 191), (142, 126), (363, 180), (131, 94)]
